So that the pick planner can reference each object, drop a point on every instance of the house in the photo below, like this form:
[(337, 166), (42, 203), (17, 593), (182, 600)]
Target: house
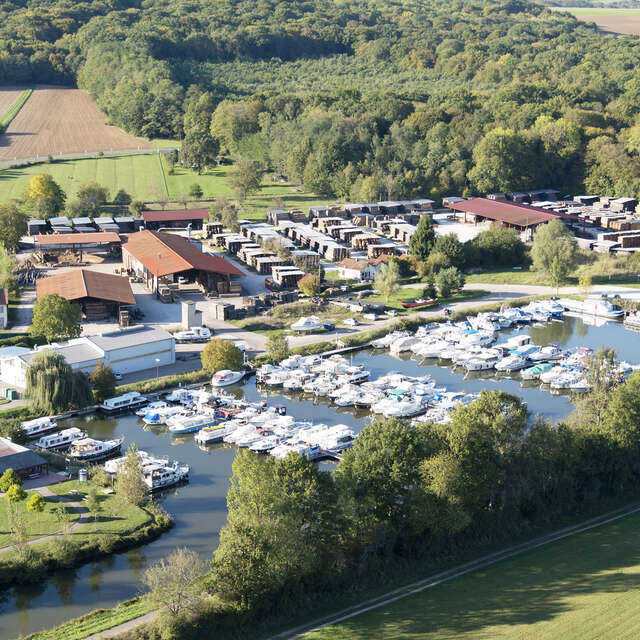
[(99, 295), (163, 257), (25, 462), (361, 270), (4, 308), (127, 350), (175, 219)]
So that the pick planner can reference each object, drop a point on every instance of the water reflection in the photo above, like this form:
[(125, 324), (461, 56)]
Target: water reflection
[(199, 508)]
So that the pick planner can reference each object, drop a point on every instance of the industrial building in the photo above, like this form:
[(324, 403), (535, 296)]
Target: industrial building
[(126, 350), (175, 219), (99, 295), (162, 257)]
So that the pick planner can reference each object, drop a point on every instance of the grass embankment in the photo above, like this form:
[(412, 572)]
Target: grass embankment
[(409, 293), (582, 587), (95, 621), (14, 109), (117, 527)]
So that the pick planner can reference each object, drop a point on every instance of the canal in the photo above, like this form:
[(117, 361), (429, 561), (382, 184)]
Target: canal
[(199, 508)]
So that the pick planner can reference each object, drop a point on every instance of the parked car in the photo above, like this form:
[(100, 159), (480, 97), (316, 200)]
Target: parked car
[(351, 322), (329, 326), (392, 312), (117, 376)]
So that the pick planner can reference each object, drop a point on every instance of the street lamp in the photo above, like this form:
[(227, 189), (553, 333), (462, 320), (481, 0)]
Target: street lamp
[(157, 367)]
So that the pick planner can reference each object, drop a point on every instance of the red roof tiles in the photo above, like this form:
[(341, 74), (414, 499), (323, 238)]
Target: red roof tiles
[(84, 283), (521, 215)]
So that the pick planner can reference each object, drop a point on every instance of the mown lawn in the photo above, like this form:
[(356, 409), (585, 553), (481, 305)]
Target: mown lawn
[(38, 524), (585, 587)]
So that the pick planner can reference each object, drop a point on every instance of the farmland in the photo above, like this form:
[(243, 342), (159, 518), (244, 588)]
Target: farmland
[(144, 175), (585, 586), (623, 21), (58, 121)]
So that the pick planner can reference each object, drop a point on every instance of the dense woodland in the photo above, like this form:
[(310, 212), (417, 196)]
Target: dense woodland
[(359, 99)]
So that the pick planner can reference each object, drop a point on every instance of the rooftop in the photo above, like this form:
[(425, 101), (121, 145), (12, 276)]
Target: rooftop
[(74, 352), (163, 254), (514, 213), (84, 283), (104, 237), (16, 457), (175, 214), (135, 335)]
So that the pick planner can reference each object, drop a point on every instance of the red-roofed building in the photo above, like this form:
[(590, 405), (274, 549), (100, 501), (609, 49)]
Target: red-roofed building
[(164, 257), (175, 219)]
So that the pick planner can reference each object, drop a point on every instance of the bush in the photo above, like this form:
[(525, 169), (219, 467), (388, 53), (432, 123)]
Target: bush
[(165, 382)]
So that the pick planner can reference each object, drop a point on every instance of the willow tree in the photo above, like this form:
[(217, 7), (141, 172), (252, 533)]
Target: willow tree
[(53, 386)]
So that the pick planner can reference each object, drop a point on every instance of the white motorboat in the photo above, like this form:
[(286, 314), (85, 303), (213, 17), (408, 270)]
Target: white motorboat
[(38, 427), (385, 341), (511, 363), (90, 449), (61, 440), (546, 354), (183, 396), (311, 323), (113, 464), (403, 344), (482, 361), (191, 424), (161, 476), (547, 377), (162, 415), (264, 445), (215, 433), (277, 378), (226, 377), (152, 406), (125, 402), (593, 306)]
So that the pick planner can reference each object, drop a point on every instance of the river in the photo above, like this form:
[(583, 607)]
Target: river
[(199, 508)]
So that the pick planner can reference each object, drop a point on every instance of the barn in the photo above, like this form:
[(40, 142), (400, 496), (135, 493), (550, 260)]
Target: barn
[(159, 258), (100, 295), (175, 219)]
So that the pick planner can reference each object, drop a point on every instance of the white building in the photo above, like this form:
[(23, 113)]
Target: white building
[(133, 349), (4, 308), (360, 270)]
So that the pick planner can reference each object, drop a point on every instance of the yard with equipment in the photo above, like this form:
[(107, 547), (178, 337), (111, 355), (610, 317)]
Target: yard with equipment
[(61, 121), (584, 586)]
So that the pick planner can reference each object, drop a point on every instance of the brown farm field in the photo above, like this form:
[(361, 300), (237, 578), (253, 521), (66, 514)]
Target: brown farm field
[(7, 97), (622, 21), (57, 121)]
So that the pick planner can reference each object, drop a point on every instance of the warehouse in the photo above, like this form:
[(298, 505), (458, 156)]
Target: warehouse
[(87, 242), (176, 219), (99, 295), (125, 350), (160, 258)]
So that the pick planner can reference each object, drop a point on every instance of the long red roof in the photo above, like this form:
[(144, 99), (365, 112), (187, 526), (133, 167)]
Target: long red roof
[(165, 253), (175, 214), (522, 215), (84, 283)]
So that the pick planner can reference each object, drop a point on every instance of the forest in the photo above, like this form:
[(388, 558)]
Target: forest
[(359, 99)]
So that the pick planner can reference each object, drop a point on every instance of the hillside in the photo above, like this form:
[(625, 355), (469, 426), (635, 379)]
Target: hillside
[(360, 99)]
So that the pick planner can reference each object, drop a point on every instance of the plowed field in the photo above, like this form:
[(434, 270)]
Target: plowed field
[(8, 97), (61, 121), (623, 21)]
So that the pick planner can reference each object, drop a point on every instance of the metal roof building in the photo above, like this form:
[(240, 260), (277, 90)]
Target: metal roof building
[(511, 214), (22, 460), (180, 218)]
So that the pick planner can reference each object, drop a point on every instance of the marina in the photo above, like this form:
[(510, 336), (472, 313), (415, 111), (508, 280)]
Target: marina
[(199, 508)]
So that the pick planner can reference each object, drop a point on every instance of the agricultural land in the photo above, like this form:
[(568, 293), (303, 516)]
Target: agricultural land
[(623, 21), (583, 587), (58, 121)]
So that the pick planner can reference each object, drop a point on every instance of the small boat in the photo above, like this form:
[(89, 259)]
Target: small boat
[(161, 476), (418, 303), (38, 427), (183, 396), (593, 306), (215, 433), (511, 363), (534, 373), (226, 377), (191, 424), (61, 440), (264, 445), (125, 402), (311, 323), (152, 406), (160, 416), (90, 449)]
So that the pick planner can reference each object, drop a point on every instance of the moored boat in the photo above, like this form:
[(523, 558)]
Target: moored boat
[(226, 377), (61, 440), (125, 402), (38, 427), (90, 449), (418, 303)]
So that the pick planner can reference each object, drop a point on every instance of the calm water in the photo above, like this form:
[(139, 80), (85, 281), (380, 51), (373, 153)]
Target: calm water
[(199, 508)]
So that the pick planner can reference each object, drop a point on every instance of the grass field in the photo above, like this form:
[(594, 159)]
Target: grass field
[(624, 21), (9, 113), (582, 588), (145, 177)]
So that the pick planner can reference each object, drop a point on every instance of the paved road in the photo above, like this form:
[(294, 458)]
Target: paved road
[(461, 570)]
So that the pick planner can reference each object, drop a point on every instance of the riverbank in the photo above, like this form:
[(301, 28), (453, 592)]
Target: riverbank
[(114, 529)]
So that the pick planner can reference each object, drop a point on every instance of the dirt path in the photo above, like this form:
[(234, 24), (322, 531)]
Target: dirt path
[(79, 508), (124, 627)]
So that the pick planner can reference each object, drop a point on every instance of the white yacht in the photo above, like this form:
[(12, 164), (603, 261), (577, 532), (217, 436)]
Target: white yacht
[(38, 427), (183, 396), (90, 449), (181, 425), (61, 440), (161, 416), (113, 464), (125, 402), (593, 306), (226, 377), (215, 433), (311, 323), (511, 363), (546, 354), (152, 406), (266, 444), (160, 476)]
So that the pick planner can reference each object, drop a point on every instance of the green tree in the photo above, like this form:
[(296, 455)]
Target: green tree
[(554, 251), (497, 246), (309, 285), (277, 347), (36, 504), (199, 147), (44, 196), (195, 191), (93, 503), (8, 267), (8, 479), (53, 386), (422, 241), (122, 198), (245, 178), (450, 246), (103, 381), (387, 280), (15, 493), (449, 281), (436, 262), (55, 318), (130, 485), (221, 354), (137, 207), (13, 225), (92, 197), (12, 428), (173, 583), (63, 517)]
